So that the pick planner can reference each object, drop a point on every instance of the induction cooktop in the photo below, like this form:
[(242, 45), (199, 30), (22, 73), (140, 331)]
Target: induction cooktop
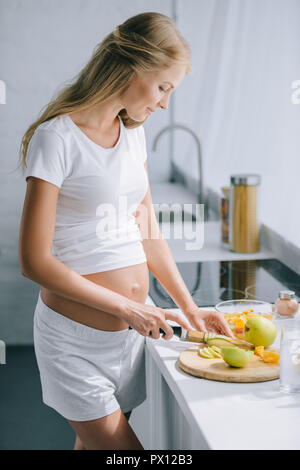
[(210, 282)]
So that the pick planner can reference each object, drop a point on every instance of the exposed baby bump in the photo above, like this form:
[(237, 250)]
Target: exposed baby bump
[(135, 283), (131, 281)]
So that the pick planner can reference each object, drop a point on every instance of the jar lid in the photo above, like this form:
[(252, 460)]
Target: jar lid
[(286, 294), (245, 179)]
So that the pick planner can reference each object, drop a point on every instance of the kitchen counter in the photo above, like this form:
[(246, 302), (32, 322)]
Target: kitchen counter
[(186, 412), (212, 249)]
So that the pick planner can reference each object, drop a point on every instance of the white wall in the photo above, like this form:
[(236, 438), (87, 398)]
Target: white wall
[(246, 54)]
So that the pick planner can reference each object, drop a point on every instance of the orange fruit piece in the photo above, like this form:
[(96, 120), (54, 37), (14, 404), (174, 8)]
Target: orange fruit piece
[(240, 323), (270, 356), (259, 350), (238, 331)]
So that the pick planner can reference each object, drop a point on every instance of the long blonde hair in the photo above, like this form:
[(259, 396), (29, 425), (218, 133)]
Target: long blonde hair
[(146, 42)]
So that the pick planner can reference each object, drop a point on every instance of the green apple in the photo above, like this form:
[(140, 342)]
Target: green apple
[(236, 357), (260, 331)]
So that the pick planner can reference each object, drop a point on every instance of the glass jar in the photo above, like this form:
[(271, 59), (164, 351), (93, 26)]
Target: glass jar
[(224, 213), (243, 213), (286, 303)]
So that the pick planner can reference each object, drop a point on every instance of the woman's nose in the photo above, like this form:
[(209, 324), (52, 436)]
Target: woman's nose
[(164, 103)]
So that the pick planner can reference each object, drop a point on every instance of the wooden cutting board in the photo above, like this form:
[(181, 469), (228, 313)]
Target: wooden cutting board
[(216, 369)]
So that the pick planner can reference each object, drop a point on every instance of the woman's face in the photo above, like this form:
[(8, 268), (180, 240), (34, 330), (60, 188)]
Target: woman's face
[(150, 91)]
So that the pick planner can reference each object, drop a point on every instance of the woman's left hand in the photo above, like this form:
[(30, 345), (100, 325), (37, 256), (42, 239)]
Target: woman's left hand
[(209, 321)]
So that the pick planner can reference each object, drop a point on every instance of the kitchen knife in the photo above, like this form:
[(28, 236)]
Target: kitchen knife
[(212, 339)]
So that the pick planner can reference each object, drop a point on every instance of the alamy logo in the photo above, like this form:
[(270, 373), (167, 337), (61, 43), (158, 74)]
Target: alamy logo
[(2, 352), (2, 92), (114, 223)]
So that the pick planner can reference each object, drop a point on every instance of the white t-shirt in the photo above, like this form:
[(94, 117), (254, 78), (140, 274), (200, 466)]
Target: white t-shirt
[(100, 190)]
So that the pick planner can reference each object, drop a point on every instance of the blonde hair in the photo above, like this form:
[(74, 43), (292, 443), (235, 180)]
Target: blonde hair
[(146, 42)]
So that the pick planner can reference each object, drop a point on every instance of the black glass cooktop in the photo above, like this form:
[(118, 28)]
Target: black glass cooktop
[(210, 282)]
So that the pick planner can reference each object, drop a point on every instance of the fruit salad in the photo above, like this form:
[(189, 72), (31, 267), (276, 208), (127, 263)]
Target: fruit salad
[(237, 320), (271, 355)]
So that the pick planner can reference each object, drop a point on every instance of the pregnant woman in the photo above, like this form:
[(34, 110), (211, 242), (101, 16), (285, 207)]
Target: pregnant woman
[(80, 240)]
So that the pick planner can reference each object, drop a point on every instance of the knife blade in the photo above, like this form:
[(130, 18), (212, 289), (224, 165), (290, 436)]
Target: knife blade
[(212, 339)]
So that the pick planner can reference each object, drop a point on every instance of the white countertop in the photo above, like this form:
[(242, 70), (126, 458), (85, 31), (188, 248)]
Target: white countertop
[(212, 249), (230, 415)]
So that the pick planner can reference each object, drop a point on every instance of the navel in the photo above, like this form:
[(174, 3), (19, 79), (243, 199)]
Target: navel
[(135, 287)]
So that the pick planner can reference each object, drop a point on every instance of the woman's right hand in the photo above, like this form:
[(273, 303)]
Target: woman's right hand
[(148, 319)]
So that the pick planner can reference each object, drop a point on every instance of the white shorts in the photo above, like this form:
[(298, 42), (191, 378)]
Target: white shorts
[(87, 373)]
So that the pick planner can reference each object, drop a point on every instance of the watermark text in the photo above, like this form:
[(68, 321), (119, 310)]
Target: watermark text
[(179, 221)]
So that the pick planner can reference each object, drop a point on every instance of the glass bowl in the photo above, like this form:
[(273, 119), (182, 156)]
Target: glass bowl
[(237, 312), (240, 305)]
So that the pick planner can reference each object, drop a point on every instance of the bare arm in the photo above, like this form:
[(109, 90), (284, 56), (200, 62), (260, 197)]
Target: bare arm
[(159, 256), (59, 278), (38, 264), (162, 264)]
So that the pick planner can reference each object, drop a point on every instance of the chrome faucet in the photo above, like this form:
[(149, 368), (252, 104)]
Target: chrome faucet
[(185, 128)]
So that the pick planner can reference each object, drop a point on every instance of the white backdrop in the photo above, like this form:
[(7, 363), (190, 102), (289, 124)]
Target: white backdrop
[(246, 54)]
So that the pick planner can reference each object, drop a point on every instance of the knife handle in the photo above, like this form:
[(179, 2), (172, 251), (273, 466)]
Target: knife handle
[(177, 330), (192, 335), (195, 336)]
